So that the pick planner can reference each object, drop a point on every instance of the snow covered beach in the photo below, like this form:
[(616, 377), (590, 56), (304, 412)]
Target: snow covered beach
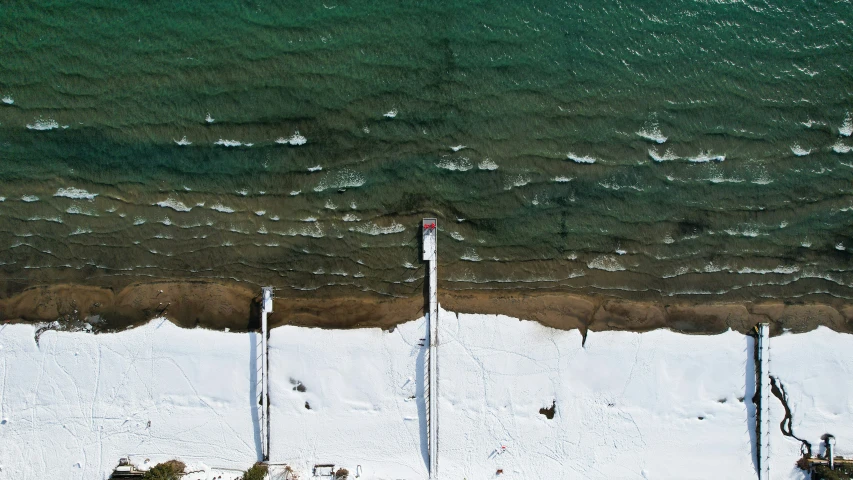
[(653, 405)]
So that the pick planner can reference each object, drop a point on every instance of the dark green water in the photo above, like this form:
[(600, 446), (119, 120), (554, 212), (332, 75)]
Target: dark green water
[(752, 196)]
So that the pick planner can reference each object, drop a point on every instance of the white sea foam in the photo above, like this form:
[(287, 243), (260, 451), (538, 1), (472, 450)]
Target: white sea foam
[(221, 208), (846, 128), (261, 213), (350, 217), (720, 178), (606, 262), (209, 118), (176, 205), (242, 192), (315, 168), (470, 256), (294, 193), (75, 193), (29, 198), (668, 239), (840, 246), (2, 199), (309, 219), (43, 124), (231, 143), (748, 231), (345, 178), (667, 156), (840, 147), (799, 151), (138, 221), (80, 231), (46, 219), (262, 230), (373, 229), (330, 205), (561, 179), (487, 165), (456, 236), (183, 141), (77, 210), (391, 113), (581, 159), (462, 164), (513, 181), (653, 134), (166, 221), (460, 147), (706, 156), (8, 100), (781, 269), (295, 140)]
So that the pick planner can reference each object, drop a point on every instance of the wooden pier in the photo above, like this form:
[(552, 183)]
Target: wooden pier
[(430, 233)]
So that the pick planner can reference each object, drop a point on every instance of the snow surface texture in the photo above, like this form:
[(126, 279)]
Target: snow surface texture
[(816, 370), (72, 405), (627, 405)]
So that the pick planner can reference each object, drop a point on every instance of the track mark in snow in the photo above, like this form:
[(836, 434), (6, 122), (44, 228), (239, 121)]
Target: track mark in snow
[(779, 392)]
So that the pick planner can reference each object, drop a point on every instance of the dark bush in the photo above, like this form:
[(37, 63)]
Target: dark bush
[(342, 474), (257, 472), (170, 470)]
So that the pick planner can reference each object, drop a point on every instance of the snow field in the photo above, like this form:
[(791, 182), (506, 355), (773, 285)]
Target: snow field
[(626, 405)]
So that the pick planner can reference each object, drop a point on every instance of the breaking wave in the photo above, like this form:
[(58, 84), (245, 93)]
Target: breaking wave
[(75, 193)]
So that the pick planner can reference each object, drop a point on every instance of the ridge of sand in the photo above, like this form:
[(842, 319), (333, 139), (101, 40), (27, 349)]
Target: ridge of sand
[(219, 306)]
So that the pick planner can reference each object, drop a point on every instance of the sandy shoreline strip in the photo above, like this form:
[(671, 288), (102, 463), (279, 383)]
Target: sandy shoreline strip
[(219, 306)]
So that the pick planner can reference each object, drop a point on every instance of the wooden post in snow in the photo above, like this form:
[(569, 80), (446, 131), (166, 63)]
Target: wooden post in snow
[(266, 308), (430, 233)]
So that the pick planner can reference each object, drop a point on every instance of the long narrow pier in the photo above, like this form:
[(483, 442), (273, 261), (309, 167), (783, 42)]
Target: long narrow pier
[(762, 412), (430, 233), (266, 308)]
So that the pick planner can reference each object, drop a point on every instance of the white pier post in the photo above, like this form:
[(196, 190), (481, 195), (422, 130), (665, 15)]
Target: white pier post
[(266, 307), (430, 233), (763, 407)]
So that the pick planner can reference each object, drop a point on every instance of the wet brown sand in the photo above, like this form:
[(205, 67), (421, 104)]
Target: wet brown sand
[(235, 307)]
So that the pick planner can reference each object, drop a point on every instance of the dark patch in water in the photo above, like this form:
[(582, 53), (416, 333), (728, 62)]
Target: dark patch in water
[(779, 392)]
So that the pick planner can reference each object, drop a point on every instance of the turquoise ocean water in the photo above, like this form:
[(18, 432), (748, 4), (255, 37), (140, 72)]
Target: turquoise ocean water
[(678, 148)]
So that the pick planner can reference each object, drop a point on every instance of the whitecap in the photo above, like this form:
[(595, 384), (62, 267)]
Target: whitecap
[(76, 210), (351, 218), (209, 118), (456, 164), (606, 262), (29, 198), (330, 205), (80, 231), (75, 193), (295, 140), (391, 113), (138, 220), (42, 124), (470, 256), (652, 134), (750, 232), (345, 178), (315, 169), (562, 179), (353, 206), (294, 193), (183, 141), (781, 269), (515, 181), (2, 199), (487, 165), (846, 128), (456, 236), (705, 157), (46, 219), (166, 221), (230, 143), (243, 192), (221, 208), (840, 147), (840, 246), (799, 151), (8, 100), (460, 147), (261, 213), (262, 230), (309, 219), (668, 239), (176, 205), (373, 229), (666, 157), (581, 159)]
